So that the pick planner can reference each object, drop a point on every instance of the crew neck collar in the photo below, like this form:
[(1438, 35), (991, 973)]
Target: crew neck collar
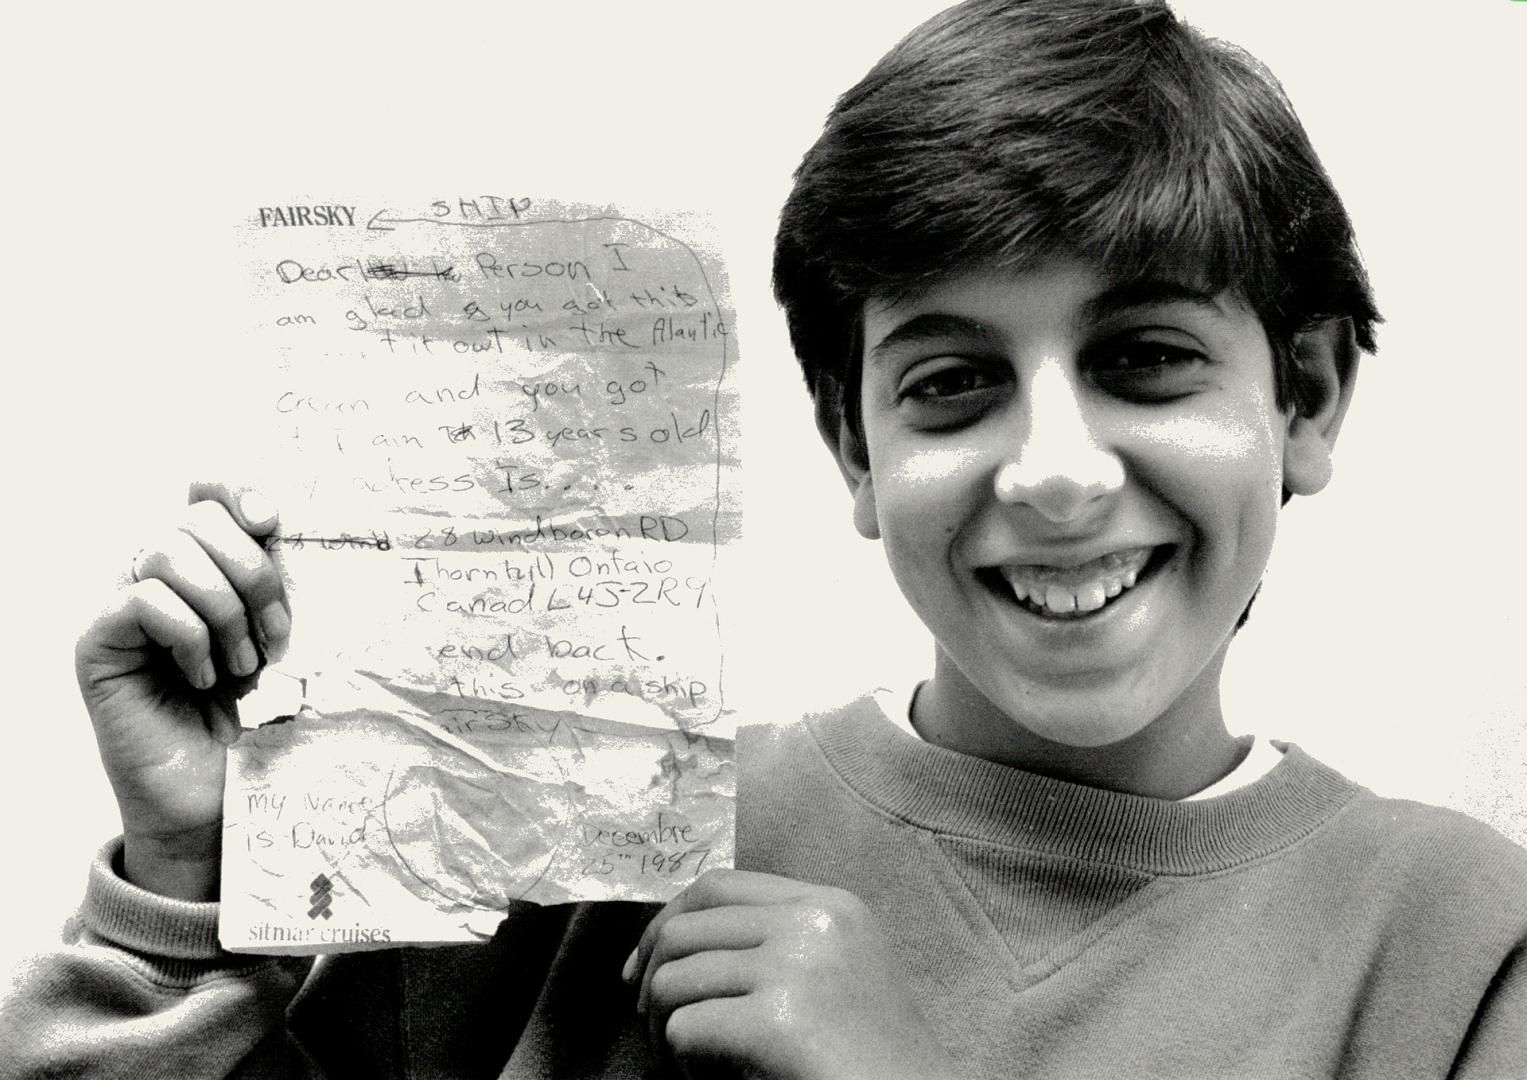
[(948, 792)]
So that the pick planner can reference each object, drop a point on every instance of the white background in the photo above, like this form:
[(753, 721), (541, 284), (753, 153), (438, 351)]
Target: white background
[(1387, 640)]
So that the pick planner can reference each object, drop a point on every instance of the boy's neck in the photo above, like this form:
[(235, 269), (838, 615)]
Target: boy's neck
[(1182, 752)]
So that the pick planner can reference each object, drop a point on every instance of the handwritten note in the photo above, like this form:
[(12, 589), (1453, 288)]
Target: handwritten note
[(503, 440)]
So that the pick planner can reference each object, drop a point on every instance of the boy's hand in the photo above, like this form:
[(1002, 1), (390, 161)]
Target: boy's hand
[(747, 974), (160, 671)]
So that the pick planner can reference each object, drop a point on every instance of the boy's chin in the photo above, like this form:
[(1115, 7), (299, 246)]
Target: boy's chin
[(1074, 718), (1086, 729), (1143, 706)]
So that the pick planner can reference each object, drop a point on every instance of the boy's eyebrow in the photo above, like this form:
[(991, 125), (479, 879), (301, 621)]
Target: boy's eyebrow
[(1115, 300), (1148, 292), (929, 326)]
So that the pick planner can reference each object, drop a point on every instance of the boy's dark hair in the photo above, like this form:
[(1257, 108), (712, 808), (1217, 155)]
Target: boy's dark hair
[(1003, 131)]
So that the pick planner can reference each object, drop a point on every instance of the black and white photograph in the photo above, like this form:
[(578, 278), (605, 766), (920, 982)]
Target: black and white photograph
[(812, 541)]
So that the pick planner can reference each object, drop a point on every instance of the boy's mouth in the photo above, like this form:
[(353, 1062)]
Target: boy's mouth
[(1075, 592)]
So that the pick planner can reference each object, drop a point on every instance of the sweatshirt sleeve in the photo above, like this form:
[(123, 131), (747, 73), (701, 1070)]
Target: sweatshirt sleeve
[(139, 986), (1496, 1047)]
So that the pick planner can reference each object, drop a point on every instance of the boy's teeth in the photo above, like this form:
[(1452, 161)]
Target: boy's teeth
[(1091, 597), (1077, 589), (1058, 598)]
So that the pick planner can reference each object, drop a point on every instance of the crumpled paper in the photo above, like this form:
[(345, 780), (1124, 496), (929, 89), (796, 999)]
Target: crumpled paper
[(502, 437)]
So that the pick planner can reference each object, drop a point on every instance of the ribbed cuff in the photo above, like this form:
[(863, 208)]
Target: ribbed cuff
[(144, 922)]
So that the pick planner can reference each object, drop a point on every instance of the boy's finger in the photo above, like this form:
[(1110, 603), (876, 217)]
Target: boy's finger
[(150, 614), (708, 1033), (700, 977), (236, 551), (715, 888), (186, 568), (636, 963), (722, 929), (248, 567), (220, 710), (253, 512)]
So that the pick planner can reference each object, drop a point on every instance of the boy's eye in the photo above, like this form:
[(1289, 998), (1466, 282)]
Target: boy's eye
[(949, 392), (945, 383), (1146, 368)]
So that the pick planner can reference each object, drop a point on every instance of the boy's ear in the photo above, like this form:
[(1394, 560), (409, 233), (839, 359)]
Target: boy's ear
[(1326, 371), (852, 457)]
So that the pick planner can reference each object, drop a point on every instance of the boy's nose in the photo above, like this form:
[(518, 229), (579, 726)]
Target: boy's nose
[(1059, 468)]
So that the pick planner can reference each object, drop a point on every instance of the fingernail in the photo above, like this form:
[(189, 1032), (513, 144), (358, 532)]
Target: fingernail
[(245, 659), (628, 973), (226, 730), (256, 508), (275, 623), (206, 676)]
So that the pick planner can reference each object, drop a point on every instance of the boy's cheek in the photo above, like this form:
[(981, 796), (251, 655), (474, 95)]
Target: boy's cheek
[(1213, 465), (1225, 436), (911, 467), (928, 469), (954, 479)]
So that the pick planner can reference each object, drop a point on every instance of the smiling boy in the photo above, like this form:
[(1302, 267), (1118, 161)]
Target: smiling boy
[(1114, 326), (1080, 312)]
